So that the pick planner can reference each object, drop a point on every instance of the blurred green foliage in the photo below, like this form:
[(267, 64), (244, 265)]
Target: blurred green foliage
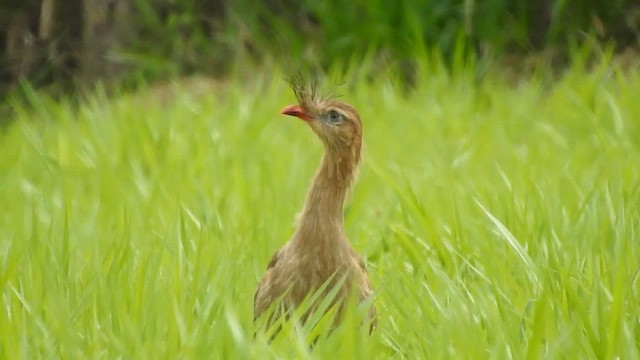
[(189, 36), (169, 38)]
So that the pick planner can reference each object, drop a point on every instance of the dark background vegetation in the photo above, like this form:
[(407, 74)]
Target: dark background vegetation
[(71, 42)]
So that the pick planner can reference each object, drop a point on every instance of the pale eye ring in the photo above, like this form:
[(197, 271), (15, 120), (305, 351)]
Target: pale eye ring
[(334, 116)]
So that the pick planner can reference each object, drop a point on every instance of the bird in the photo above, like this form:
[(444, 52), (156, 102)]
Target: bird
[(319, 252)]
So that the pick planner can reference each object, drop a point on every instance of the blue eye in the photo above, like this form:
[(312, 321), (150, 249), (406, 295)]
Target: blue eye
[(335, 116)]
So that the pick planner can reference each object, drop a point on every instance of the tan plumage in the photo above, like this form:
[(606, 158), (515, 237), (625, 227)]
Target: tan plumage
[(319, 248)]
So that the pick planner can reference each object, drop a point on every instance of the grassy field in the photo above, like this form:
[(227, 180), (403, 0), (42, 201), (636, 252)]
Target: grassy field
[(497, 221)]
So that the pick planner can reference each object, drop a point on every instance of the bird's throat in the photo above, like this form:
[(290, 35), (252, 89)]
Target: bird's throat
[(322, 215)]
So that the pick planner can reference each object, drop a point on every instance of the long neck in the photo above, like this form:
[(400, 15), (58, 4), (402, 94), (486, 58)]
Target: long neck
[(322, 217)]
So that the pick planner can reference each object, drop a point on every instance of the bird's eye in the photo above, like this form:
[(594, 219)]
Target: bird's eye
[(335, 116)]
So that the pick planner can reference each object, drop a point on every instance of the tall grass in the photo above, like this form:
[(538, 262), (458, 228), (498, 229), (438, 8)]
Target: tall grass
[(497, 221)]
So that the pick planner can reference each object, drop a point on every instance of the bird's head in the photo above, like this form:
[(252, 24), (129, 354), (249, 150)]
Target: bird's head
[(336, 123)]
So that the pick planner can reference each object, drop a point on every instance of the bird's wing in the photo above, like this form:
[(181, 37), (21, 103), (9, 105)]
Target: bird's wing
[(260, 302), (363, 272), (366, 291)]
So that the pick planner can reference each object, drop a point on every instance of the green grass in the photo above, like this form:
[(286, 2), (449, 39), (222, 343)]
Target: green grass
[(498, 221)]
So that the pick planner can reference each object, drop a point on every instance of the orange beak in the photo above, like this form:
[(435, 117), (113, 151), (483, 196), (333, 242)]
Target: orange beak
[(297, 111)]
